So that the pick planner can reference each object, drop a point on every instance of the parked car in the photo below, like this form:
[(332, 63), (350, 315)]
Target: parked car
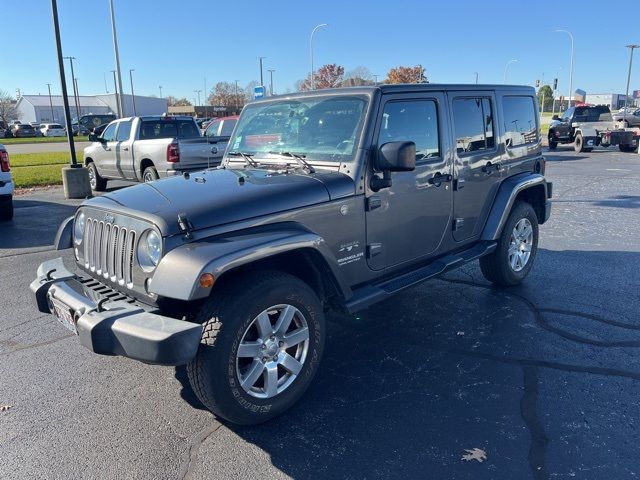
[(52, 130), (219, 131), (325, 199), (147, 148), (99, 129), (23, 130), (630, 117), (589, 126), (6, 186)]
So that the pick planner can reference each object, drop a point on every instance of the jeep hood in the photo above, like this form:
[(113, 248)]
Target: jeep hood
[(216, 197)]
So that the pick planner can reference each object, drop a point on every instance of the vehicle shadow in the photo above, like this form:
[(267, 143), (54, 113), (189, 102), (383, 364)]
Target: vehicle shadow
[(34, 224), (406, 386)]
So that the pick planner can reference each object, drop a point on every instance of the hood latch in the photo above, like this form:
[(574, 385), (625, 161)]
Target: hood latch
[(185, 225)]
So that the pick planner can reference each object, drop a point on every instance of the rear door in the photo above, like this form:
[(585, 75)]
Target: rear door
[(477, 165), (408, 221)]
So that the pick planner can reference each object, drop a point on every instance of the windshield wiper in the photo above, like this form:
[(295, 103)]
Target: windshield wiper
[(298, 158), (246, 156)]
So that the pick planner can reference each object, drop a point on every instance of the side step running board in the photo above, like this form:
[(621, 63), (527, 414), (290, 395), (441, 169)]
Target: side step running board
[(367, 296)]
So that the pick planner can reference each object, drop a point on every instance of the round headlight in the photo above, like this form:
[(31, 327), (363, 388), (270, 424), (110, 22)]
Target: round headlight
[(149, 250), (78, 228)]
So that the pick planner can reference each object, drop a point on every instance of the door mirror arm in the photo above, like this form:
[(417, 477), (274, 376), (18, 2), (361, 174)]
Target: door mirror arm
[(378, 183)]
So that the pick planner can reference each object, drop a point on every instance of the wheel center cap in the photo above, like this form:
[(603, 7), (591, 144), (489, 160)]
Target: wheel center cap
[(271, 347)]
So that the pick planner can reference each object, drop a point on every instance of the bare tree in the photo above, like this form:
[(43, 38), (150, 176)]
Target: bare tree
[(358, 76), (7, 108)]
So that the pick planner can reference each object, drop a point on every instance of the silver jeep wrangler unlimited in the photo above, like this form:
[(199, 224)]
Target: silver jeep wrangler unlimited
[(326, 199)]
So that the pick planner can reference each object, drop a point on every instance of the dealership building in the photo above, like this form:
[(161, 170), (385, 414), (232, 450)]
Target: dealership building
[(45, 108)]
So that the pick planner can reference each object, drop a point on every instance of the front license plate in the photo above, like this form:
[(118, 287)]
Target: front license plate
[(64, 315)]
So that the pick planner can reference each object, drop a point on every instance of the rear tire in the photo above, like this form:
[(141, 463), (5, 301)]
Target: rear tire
[(519, 237), (6, 209), (150, 174), (578, 144), (253, 384), (627, 148), (98, 184)]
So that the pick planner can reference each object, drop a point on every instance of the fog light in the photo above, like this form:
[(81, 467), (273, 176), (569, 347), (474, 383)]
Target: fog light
[(206, 280)]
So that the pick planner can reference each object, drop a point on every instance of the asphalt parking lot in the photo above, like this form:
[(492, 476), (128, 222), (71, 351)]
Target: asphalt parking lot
[(544, 377)]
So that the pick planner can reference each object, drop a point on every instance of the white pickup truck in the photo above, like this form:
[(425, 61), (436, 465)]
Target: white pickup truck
[(147, 148)]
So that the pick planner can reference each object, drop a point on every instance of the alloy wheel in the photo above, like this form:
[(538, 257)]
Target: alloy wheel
[(520, 244)]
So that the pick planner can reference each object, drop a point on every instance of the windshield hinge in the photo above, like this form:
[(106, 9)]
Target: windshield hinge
[(185, 225)]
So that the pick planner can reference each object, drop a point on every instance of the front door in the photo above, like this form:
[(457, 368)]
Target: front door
[(477, 166), (408, 220), (124, 151), (105, 157)]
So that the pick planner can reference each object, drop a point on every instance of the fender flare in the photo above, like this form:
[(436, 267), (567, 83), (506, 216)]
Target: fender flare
[(506, 197), (64, 235), (178, 273)]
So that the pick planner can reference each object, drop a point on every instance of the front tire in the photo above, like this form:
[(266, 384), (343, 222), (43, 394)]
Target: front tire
[(578, 144), (262, 340), (98, 184), (553, 144), (513, 258)]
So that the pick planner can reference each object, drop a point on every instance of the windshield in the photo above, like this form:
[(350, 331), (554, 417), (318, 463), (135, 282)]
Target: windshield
[(324, 128)]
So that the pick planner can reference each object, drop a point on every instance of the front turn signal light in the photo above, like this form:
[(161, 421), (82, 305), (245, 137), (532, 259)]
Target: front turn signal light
[(206, 280)]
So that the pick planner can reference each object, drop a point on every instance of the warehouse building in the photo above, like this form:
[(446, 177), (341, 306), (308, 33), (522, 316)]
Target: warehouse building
[(42, 108)]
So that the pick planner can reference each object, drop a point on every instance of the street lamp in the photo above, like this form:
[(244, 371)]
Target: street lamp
[(271, 81), (160, 87), (476, 77), (506, 67), (115, 91), (117, 55), (375, 79), (53, 117), (75, 93), (571, 66), (313, 82), (626, 96), (133, 95)]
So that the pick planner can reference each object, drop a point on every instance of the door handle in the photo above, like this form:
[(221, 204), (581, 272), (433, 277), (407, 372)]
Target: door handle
[(491, 167), (438, 179), (126, 149), (108, 149)]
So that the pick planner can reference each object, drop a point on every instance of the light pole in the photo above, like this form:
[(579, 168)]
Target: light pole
[(75, 179), (476, 77), (375, 79), (160, 87), (570, 67), (506, 67), (133, 95), (75, 84), (271, 82), (104, 77), (313, 82), (261, 79), (198, 93), (237, 98), (75, 93), (53, 117), (115, 91), (117, 55), (626, 96)]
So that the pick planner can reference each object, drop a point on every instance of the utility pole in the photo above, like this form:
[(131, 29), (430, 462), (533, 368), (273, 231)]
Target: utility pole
[(626, 96), (375, 79), (75, 179), (115, 90), (261, 76), (75, 84), (117, 55), (104, 76), (160, 87), (75, 93), (237, 98), (476, 77), (53, 117), (570, 67), (133, 95), (271, 82)]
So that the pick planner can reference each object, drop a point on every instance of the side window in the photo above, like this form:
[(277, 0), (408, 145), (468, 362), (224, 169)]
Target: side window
[(473, 120), (227, 128), (110, 133), (519, 121), (412, 121), (124, 130), (212, 129), (567, 114), (188, 130)]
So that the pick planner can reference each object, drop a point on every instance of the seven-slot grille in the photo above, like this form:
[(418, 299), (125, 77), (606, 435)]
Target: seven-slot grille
[(109, 251)]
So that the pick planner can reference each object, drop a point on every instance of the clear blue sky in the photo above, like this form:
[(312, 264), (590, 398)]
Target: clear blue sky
[(177, 43)]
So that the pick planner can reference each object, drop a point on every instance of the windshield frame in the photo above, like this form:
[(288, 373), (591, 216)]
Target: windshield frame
[(271, 159)]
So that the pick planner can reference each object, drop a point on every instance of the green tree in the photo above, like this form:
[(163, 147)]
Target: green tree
[(546, 93)]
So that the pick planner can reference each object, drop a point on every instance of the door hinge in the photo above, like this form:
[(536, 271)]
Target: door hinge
[(458, 223), (373, 203), (374, 249)]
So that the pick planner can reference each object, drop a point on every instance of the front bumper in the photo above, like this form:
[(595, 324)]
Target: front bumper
[(115, 327)]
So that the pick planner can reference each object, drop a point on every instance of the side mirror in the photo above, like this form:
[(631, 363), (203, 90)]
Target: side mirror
[(555, 117), (393, 157), (396, 157)]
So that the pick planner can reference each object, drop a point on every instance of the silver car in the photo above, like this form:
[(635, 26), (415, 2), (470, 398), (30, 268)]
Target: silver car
[(631, 116)]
